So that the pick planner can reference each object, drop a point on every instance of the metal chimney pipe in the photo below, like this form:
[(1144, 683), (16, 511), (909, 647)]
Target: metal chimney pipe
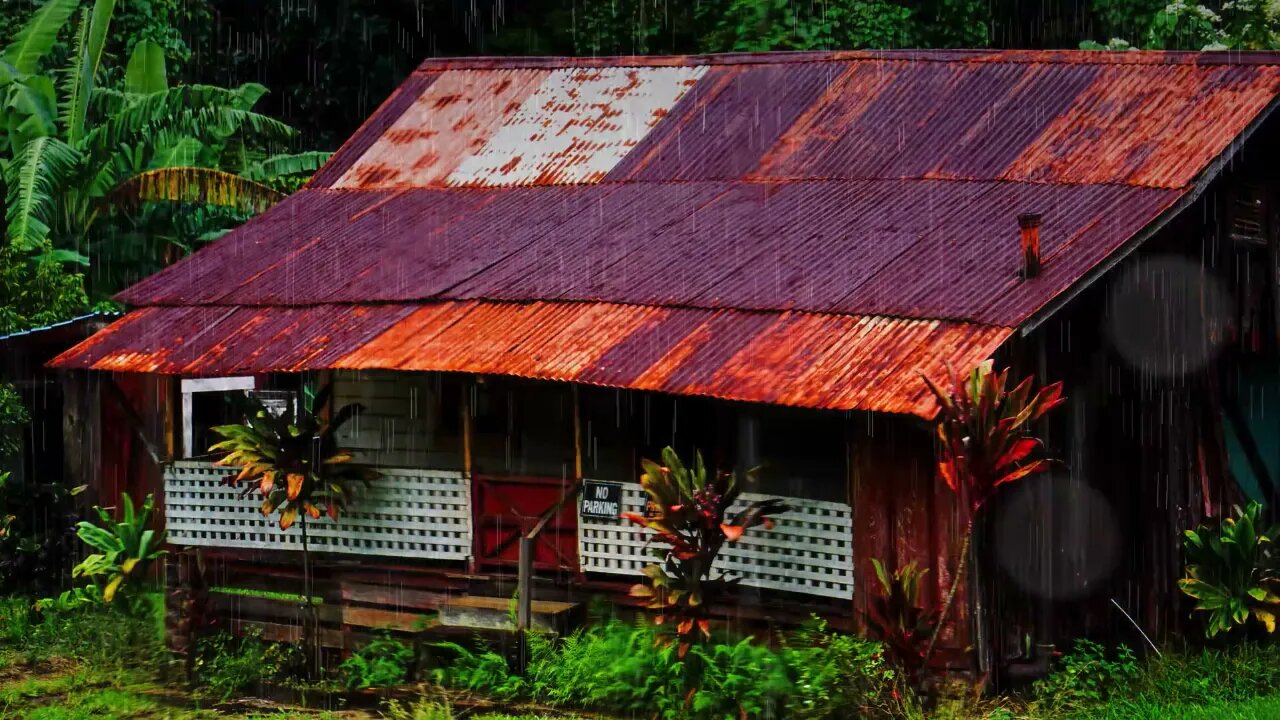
[(1030, 243)]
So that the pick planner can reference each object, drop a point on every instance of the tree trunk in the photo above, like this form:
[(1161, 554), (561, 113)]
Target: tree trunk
[(951, 593), (311, 620)]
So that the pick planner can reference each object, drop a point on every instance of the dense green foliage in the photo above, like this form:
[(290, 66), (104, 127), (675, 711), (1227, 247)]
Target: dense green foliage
[(1091, 682), (618, 667), (381, 663), (1233, 571), (126, 547), (226, 665)]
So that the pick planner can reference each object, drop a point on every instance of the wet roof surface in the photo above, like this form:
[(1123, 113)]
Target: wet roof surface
[(729, 195)]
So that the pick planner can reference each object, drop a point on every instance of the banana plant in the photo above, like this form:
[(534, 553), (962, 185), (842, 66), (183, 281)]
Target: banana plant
[(688, 513), (1233, 571), (126, 548), (74, 156)]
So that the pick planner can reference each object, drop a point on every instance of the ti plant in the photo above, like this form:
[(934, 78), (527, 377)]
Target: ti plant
[(688, 512), (984, 440), (126, 548), (294, 463), (896, 617), (298, 469), (1232, 572)]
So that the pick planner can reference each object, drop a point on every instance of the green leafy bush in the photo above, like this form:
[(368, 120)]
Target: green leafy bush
[(1088, 676), (226, 665), (104, 636), (623, 668), (383, 662), (126, 548), (1232, 572), (834, 673)]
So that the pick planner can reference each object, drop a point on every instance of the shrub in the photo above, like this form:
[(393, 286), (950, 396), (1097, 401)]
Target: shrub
[(226, 665), (834, 674), (1232, 572), (623, 668), (384, 662), (1087, 677), (688, 511)]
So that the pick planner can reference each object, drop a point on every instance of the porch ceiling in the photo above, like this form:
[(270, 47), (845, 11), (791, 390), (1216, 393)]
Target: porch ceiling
[(843, 362)]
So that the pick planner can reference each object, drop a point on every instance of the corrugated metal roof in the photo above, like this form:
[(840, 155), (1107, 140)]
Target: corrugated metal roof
[(712, 202), (788, 358)]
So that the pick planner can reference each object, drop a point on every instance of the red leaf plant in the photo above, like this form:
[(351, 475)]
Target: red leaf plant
[(985, 443), (688, 514), (896, 617)]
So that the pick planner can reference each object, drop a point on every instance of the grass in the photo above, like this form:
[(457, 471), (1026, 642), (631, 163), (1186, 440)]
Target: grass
[(266, 594)]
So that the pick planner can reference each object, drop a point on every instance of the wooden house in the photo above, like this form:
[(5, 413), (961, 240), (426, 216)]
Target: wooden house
[(532, 272)]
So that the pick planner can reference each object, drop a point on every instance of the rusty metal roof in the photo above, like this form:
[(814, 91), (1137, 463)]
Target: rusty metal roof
[(789, 358), (731, 201)]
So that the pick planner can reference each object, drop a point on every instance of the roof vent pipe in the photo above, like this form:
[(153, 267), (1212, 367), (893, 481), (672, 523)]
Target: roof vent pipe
[(1030, 242)]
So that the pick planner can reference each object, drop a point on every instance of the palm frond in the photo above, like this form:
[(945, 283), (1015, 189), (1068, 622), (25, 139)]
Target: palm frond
[(286, 164), (41, 168), (195, 185), (38, 36)]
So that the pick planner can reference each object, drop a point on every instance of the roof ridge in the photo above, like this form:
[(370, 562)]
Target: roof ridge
[(562, 301), (995, 56)]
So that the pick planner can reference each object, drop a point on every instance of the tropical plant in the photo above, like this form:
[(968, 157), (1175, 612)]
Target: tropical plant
[(79, 160), (126, 548), (295, 464), (688, 512), (1232, 571), (985, 443), (896, 616)]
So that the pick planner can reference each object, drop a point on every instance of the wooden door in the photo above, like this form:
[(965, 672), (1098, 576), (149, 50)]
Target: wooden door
[(508, 507)]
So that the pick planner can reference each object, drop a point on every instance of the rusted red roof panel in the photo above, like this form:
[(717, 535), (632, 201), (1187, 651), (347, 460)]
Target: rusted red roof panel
[(788, 358)]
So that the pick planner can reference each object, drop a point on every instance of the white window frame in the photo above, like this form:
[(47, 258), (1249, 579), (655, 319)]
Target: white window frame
[(190, 386)]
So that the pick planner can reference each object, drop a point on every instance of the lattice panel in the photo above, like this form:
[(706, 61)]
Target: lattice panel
[(404, 513), (810, 550)]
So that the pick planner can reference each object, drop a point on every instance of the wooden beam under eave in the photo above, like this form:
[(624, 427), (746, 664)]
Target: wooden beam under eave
[(465, 409), (577, 436)]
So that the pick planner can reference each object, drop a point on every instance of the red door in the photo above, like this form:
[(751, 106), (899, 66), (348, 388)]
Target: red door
[(508, 507)]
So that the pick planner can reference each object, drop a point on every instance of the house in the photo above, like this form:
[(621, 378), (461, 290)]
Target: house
[(534, 271)]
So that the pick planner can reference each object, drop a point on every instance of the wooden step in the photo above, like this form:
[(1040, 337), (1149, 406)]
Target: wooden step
[(495, 613)]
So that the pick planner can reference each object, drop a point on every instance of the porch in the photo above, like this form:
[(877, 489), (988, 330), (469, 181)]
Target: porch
[(471, 464)]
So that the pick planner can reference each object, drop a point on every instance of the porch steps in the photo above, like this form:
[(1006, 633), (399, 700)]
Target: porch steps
[(496, 613)]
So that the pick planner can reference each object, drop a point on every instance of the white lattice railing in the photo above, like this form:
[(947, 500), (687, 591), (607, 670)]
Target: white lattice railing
[(809, 550), (404, 513)]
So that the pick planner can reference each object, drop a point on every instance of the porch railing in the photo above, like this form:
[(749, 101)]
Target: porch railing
[(405, 513), (428, 514), (809, 550)]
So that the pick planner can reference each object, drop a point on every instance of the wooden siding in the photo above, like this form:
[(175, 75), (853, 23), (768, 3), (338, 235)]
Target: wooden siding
[(401, 424)]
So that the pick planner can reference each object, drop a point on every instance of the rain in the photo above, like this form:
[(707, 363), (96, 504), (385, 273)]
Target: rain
[(533, 359)]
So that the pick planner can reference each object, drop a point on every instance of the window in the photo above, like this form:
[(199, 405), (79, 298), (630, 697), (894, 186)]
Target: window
[(522, 427), (407, 420), (208, 403), (798, 452)]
